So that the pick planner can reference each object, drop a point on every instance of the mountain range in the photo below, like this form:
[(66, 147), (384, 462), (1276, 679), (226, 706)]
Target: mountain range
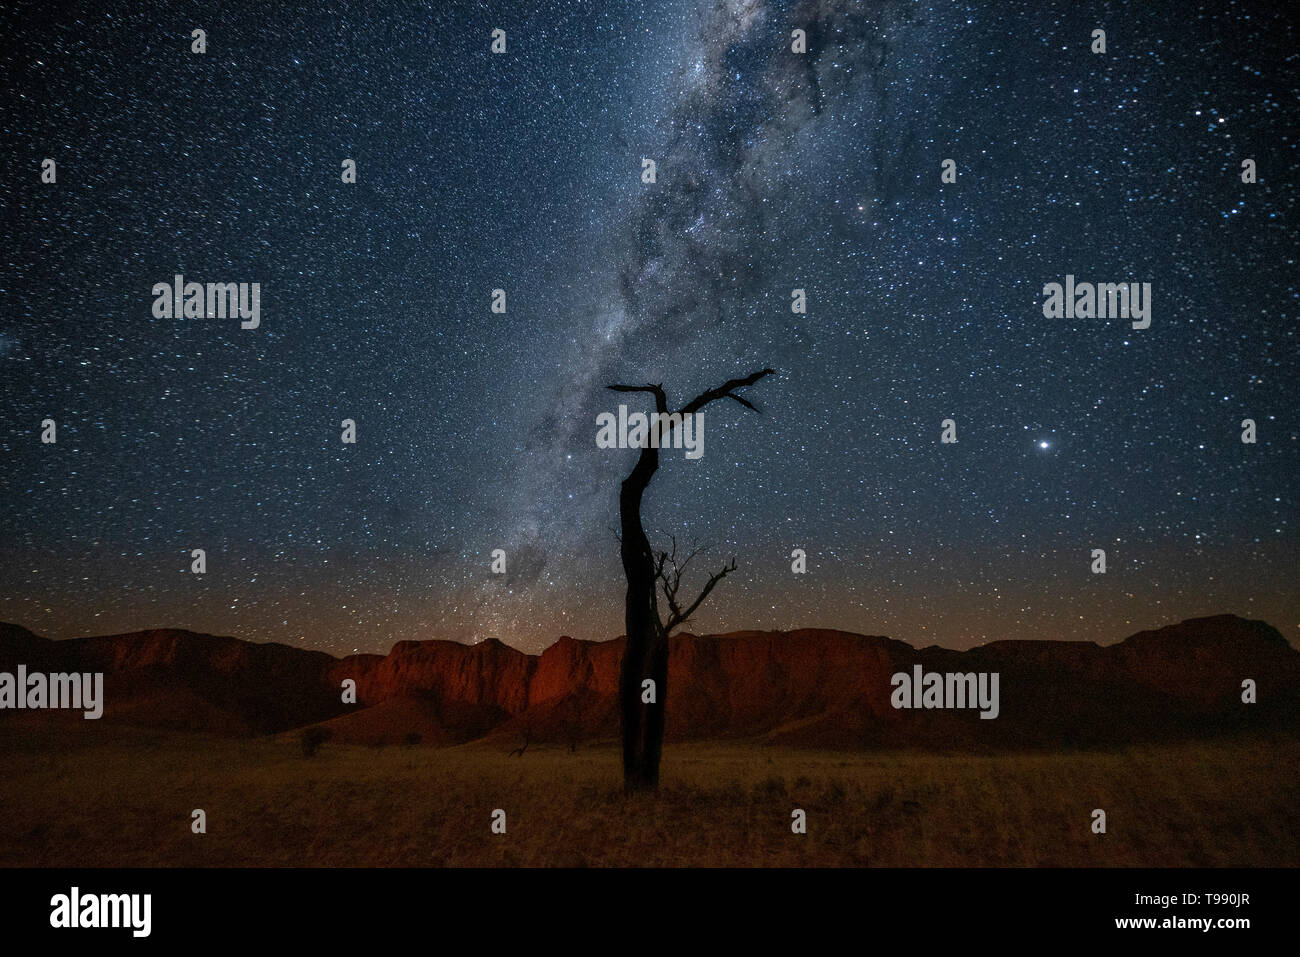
[(803, 688)]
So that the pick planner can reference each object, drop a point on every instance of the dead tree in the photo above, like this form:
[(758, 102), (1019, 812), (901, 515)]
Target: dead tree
[(646, 655)]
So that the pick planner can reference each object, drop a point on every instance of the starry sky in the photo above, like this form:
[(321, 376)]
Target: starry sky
[(523, 171)]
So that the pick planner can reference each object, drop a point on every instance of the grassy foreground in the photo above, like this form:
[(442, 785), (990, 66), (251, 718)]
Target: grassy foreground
[(124, 798)]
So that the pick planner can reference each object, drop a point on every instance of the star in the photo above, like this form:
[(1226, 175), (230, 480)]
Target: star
[(522, 172)]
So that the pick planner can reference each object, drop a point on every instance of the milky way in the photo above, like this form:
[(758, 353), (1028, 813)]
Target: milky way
[(523, 171)]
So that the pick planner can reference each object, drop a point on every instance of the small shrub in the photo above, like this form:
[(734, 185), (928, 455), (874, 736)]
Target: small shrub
[(311, 739)]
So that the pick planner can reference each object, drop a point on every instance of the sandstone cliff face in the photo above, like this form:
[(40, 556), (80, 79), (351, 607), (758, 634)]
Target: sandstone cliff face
[(263, 687), (808, 687)]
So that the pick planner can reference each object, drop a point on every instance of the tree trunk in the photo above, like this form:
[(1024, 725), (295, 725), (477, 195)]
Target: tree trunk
[(646, 654)]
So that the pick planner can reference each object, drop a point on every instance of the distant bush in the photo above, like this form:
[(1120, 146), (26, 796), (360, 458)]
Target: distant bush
[(311, 739), (411, 739)]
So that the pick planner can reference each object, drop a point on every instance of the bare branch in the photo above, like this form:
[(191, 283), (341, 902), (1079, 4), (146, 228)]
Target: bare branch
[(687, 560), (725, 391), (745, 402), (661, 399), (668, 573), (713, 580), (635, 388)]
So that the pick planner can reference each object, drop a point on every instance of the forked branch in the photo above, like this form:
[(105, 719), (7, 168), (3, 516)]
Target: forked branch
[(725, 391), (668, 572)]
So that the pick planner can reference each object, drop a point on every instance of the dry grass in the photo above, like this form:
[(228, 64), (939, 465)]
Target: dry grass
[(123, 798)]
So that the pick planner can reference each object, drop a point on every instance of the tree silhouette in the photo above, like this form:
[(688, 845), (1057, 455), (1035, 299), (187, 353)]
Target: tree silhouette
[(646, 654)]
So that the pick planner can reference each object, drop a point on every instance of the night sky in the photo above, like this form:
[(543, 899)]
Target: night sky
[(522, 171)]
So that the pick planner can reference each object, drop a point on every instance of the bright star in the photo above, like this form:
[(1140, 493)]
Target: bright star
[(1042, 445)]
